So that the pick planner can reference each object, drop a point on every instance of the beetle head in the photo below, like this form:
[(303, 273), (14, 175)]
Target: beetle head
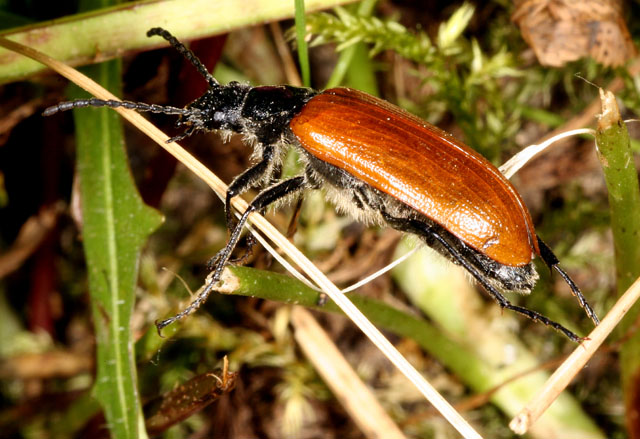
[(218, 109)]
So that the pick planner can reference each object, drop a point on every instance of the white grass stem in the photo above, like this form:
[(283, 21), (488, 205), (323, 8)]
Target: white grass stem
[(513, 165)]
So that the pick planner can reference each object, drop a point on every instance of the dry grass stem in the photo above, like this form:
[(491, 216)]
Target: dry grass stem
[(353, 394), (515, 163), (574, 363)]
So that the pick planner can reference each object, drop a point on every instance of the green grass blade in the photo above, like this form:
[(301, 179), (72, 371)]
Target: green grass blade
[(303, 50), (116, 224), (616, 157)]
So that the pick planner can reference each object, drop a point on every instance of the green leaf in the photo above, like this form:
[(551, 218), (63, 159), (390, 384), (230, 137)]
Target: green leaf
[(116, 224)]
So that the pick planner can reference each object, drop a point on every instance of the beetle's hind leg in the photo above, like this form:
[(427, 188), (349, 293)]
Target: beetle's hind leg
[(430, 234), (552, 262), (263, 199)]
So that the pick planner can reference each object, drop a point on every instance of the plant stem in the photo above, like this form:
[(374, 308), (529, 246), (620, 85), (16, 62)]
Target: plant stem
[(621, 178)]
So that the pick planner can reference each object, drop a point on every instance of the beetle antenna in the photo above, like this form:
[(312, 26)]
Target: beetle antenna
[(199, 300), (137, 106), (552, 262), (111, 103), (188, 54)]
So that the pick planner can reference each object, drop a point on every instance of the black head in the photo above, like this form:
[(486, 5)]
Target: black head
[(218, 109)]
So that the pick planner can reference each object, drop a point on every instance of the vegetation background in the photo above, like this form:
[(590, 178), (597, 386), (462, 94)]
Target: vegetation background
[(97, 244)]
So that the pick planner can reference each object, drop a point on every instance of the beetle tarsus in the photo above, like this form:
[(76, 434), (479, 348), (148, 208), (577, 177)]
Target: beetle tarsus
[(213, 262), (250, 242), (537, 317), (188, 132), (199, 300)]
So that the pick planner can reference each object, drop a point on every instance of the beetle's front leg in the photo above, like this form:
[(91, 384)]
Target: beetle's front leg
[(240, 184), (262, 200), (246, 180)]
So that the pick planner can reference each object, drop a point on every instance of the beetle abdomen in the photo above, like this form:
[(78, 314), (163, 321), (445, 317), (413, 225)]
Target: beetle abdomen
[(421, 166)]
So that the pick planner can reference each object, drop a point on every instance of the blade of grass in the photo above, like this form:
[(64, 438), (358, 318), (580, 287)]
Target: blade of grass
[(110, 32), (612, 138), (303, 50), (116, 224)]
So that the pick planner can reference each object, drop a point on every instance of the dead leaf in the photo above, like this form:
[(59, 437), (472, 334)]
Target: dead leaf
[(560, 31), (188, 398)]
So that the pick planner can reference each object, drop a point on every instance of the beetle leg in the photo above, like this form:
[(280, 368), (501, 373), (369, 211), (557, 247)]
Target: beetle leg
[(533, 315), (187, 133), (261, 201), (424, 230), (245, 181), (552, 262), (240, 184)]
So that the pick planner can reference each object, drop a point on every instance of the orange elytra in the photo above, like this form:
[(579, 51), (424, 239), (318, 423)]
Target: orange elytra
[(421, 166)]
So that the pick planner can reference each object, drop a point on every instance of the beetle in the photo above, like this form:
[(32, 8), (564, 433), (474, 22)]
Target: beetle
[(376, 162)]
